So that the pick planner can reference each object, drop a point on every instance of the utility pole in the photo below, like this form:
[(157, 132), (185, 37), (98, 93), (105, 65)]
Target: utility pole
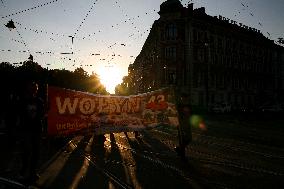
[(206, 59)]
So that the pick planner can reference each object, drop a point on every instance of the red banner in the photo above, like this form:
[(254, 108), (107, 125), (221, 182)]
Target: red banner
[(73, 112)]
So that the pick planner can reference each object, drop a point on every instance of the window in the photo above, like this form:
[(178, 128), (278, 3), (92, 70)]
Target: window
[(219, 44), (195, 79), (212, 98), (171, 31), (184, 76), (212, 80), (172, 77), (229, 98), (201, 99), (199, 79), (170, 52), (212, 42), (194, 35), (200, 55), (195, 54)]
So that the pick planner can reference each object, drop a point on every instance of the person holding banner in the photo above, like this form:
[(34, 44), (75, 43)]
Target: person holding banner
[(31, 114), (184, 127)]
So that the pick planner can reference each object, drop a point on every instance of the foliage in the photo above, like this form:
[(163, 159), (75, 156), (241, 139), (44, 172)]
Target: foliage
[(12, 78), (123, 89)]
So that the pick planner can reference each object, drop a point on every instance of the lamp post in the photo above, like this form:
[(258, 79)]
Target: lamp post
[(206, 54)]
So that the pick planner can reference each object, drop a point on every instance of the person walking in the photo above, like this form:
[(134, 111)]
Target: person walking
[(184, 127), (31, 114)]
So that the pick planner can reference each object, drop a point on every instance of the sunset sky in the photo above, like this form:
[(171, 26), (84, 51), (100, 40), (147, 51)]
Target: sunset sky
[(108, 34)]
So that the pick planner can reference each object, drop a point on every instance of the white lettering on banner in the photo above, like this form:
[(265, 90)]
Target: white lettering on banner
[(112, 106), (66, 104), (72, 125), (119, 104), (133, 105), (103, 105), (87, 106), (99, 105), (152, 99), (159, 98)]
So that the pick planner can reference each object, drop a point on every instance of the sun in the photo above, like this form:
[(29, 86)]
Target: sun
[(110, 77)]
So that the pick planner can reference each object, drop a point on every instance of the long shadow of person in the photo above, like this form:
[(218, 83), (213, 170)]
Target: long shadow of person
[(153, 157), (104, 156), (79, 169), (66, 167), (94, 155), (116, 160)]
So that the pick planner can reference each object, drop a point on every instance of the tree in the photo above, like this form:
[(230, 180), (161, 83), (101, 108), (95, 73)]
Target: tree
[(29, 70), (123, 88)]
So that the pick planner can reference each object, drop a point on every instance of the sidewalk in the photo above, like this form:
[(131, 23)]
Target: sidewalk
[(10, 158)]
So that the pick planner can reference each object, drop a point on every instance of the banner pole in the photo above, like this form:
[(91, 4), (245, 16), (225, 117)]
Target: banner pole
[(177, 102)]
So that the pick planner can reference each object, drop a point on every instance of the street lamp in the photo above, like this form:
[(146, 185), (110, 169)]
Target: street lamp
[(206, 54)]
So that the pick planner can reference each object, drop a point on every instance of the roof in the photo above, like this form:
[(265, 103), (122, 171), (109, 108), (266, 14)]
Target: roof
[(170, 6)]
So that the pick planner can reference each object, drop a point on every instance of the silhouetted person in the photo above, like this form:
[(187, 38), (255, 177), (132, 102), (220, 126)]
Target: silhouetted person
[(184, 129), (31, 114), (10, 113), (136, 134)]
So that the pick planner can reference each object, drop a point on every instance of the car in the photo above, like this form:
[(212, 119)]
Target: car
[(245, 109), (221, 108), (271, 108)]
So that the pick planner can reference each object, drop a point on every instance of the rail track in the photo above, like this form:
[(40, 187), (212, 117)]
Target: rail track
[(223, 157)]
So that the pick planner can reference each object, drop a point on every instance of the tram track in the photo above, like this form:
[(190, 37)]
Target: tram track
[(156, 161), (77, 144), (235, 145), (92, 159), (155, 157), (122, 184), (221, 159)]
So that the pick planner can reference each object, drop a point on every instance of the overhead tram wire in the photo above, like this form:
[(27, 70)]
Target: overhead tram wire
[(247, 10), (29, 9), (11, 26), (113, 26), (27, 49), (140, 34), (122, 22), (3, 3), (57, 55), (79, 27), (38, 31), (20, 51), (22, 11)]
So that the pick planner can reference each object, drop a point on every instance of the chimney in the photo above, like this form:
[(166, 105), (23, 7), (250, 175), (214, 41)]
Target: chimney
[(190, 7), (202, 10)]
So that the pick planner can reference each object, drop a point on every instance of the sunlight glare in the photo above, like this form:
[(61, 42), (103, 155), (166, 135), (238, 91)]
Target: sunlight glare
[(110, 77)]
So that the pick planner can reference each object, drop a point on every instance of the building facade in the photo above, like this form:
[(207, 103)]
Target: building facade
[(211, 59)]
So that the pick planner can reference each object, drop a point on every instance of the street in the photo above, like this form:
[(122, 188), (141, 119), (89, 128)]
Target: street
[(223, 156), (170, 94)]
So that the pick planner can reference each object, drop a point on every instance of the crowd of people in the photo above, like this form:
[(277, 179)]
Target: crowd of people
[(23, 118), (27, 111)]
